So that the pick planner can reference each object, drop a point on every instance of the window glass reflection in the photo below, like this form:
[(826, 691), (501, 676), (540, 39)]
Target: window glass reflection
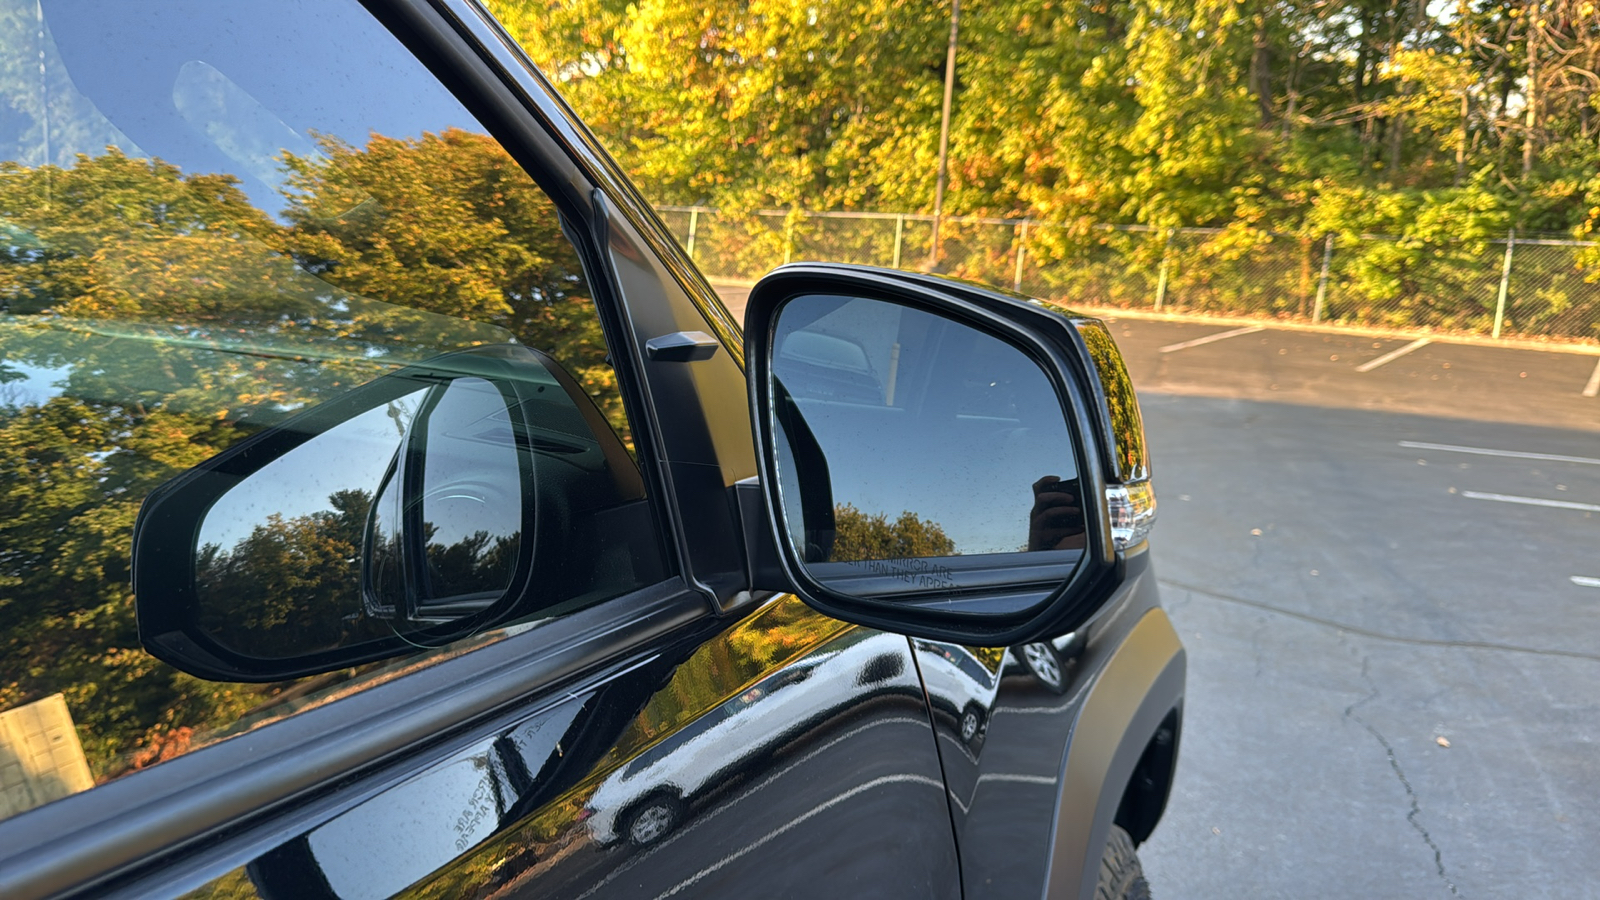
[(214, 217), (278, 566)]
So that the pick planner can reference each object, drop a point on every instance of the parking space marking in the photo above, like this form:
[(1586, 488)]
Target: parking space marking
[(1585, 581), (1592, 389), (1515, 454), (1220, 336), (1393, 355), (1531, 501)]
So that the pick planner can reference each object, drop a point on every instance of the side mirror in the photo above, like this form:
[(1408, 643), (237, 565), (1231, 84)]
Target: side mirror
[(943, 460), (400, 515)]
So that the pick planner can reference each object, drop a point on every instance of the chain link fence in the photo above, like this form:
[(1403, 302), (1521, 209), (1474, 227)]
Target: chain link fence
[(1513, 286)]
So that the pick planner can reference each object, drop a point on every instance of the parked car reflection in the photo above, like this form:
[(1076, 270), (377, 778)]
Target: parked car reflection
[(701, 761), (652, 794), (961, 684)]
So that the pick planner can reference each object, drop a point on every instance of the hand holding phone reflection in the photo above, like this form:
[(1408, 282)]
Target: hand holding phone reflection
[(1056, 522)]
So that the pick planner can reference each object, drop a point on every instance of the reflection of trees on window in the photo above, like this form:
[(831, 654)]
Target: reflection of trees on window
[(170, 319), (860, 535), (449, 224)]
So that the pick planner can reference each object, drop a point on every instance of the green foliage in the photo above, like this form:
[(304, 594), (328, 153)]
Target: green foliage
[(860, 536), (1159, 112)]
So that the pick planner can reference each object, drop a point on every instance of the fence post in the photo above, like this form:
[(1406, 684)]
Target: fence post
[(1505, 283), (1322, 280), (694, 222), (1161, 278), (788, 238), (899, 233), (1022, 249)]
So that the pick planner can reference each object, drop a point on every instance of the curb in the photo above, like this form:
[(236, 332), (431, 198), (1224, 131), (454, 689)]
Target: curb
[(1441, 337)]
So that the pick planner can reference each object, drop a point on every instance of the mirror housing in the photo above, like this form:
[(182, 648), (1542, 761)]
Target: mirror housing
[(446, 582), (961, 585)]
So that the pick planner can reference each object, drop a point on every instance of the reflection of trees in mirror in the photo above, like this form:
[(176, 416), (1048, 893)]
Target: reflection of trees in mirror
[(859, 535), (479, 563), (158, 318), (292, 586)]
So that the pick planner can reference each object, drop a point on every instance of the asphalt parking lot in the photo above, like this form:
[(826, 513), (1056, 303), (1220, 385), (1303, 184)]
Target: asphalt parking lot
[(1392, 624), (1388, 579)]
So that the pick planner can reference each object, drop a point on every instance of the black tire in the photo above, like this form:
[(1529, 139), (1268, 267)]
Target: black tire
[(1045, 664), (652, 820), (1121, 876), (970, 724)]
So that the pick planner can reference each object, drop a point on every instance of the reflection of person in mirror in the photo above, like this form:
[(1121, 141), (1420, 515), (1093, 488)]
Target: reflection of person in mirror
[(1056, 522)]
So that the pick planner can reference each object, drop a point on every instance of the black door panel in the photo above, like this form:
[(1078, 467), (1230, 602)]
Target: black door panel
[(789, 749)]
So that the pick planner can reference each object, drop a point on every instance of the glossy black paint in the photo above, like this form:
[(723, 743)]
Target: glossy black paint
[(920, 768), (787, 777)]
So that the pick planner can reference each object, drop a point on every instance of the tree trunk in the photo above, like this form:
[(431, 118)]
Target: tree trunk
[(1306, 250), (1261, 66), (1363, 61), (1530, 138)]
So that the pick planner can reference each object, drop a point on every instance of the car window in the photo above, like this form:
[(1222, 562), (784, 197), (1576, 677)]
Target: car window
[(213, 219)]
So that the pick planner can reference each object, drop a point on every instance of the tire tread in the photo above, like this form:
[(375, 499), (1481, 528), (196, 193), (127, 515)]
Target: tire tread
[(1121, 875)]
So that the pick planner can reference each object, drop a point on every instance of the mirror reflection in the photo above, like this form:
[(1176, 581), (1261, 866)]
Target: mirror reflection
[(405, 516), (278, 558), (462, 530), (916, 452)]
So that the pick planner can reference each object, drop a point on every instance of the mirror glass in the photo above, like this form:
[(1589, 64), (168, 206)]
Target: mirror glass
[(917, 454), (397, 519), (469, 536)]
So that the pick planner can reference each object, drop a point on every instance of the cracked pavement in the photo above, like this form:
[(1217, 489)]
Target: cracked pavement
[(1376, 612)]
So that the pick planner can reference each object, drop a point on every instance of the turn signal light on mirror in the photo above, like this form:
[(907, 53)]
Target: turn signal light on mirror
[(1133, 511)]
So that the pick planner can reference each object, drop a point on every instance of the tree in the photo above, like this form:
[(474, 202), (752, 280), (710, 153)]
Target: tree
[(862, 536)]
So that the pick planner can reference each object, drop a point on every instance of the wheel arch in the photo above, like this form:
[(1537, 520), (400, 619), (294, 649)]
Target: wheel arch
[(1138, 694)]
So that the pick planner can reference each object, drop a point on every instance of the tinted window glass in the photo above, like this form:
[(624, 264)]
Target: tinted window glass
[(877, 385), (214, 217)]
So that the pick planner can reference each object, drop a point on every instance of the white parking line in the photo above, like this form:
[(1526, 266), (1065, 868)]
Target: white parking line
[(1531, 501), (1515, 454), (1585, 581), (1592, 389), (1220, 336), (1393, 355)]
